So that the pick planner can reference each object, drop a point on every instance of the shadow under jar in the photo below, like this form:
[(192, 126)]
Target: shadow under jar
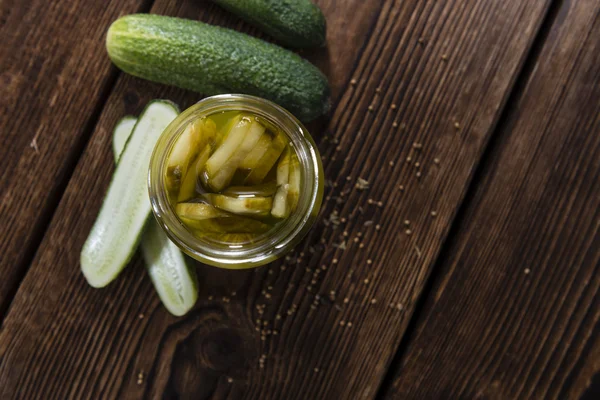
[(235, 181)]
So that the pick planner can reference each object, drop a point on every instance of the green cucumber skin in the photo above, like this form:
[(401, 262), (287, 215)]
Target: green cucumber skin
[(295, 23), (165, 263), (214, 60), (96, 253)]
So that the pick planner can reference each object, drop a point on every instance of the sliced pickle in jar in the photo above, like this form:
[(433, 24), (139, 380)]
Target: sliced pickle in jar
[(264, 190), (267, 161), (294, 182), (222, 177), (256, 206), (188, 186), (191, 141), (254, 156), (199, 211), (281, 207), (229, 224)]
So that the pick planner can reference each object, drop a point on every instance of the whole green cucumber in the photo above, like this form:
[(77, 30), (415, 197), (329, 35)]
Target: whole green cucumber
[(214, 60), (296, 23)]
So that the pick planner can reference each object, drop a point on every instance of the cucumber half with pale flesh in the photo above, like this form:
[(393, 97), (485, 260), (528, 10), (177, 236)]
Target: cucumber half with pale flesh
[(117, 230), (173, 278)]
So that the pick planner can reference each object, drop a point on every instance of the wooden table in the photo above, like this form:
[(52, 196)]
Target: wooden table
[(471, 263)]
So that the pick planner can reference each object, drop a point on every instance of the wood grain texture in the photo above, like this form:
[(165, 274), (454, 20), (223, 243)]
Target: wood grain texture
[(515, 312), (53, 73), (326, 321)]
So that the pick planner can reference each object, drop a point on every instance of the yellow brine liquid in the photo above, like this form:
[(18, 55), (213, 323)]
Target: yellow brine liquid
[(232, 177)]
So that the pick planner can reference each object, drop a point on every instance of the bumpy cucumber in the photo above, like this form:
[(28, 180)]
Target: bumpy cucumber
[(296, 23), (118, 228), (214, 60), (173, 278)]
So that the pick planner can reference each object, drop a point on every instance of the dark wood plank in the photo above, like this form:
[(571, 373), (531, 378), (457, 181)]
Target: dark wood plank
[(53, 73), (515, 312), (286, 330)]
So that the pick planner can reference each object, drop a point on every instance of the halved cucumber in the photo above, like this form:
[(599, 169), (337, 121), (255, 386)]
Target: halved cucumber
[(173, 278), (121, 134), (117, 230), (258, 206), (175, 281)]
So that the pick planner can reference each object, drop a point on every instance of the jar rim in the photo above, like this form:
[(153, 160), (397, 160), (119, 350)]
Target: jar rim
[(277, 241)]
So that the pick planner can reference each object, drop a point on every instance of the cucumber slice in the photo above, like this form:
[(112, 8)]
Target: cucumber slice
[(199, 211), (188, 186), (195, 137), (280, 202), (283, 168), (239, 142), (254, 156), (173, 278), (230, 224), (264, 190), (257, 175), (117, 230), (294, 179), (121, 134), (258, 206)]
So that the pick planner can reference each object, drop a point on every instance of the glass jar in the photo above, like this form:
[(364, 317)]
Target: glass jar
[(281, 238)]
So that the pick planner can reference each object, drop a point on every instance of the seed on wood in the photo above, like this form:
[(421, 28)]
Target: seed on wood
[(370, 108), (417, 164), (141, 316), (406, 222), (366, 281), (323, 267), (401, 188), (278, 316), (342, 323), (361, 245), (391, 163), (316, 369), (436, 160), (399, 306), (395, 124), (377, 227), (380, 204), (373, 301), (408, 232), (408, 159), (527, 271), (359, 234), (370, 201), (444, 57), (345, 233), (349, 324), (346, 300), (378, 90), (356, 240), (393, 106), (369, 261), (343, 220), (210, 297), (418, 174), (334, 261), (353, 82), (457, 125), (434, 213), (417, 146)]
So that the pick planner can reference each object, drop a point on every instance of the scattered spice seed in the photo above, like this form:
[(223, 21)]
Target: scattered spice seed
[(362, 184), (353, 82), (399, 306), (230, 380), (527, 271), (395, 124), (457, 125), (434, 213), (417, 164), (421, 40), (323, 267), (378, 90), (436, 160), (361, 245), (373, 301), (418, 174), (343, 220), (408, 232), (334, 261), (345, 232), (408, 159), (406, 222), (366, 281), (369, 261), (380, 204), (342, 323), (316, 369), (346, 300), (391, 163), (393, 106), (377, 227), (370, 108), (368, 223), (359, 234), (348, 178), (141, 316), (417, 146), (210, 297), (356, 240), (401, 188), (349, 324), (444, 57)]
